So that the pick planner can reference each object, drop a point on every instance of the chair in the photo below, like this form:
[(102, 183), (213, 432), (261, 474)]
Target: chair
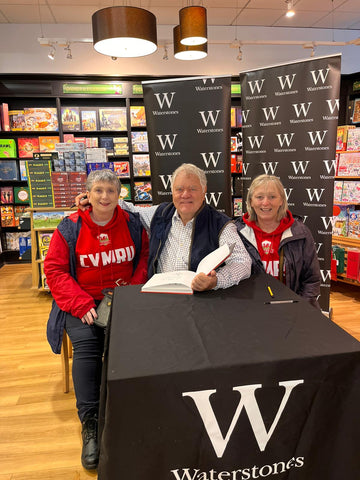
[(66, 354)]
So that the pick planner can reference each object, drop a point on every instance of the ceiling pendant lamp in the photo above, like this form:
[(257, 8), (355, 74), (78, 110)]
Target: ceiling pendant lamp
[(193, 25), (124, 31), (184, 52)]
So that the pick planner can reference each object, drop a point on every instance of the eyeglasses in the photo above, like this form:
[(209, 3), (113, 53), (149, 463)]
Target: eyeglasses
[(181, 190)]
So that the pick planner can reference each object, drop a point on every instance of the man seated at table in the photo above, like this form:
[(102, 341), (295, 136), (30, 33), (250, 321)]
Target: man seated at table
[(184, 231)]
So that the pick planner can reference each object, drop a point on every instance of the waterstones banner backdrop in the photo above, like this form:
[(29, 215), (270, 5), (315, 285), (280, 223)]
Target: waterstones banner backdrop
[(188, 121), (290, 117)]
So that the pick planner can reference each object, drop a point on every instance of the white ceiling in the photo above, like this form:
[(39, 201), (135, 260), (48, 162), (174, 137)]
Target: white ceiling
[(333, 14)]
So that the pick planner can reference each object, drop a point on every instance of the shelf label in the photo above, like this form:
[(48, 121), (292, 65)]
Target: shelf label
[(93, 88)]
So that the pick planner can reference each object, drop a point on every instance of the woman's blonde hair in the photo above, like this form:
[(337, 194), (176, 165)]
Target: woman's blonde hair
[(263, 180)]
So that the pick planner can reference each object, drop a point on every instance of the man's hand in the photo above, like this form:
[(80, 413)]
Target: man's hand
[(82, 202), (89, 317), (204, 282)]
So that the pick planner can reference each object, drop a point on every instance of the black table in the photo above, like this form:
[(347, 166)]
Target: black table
[(220, 386)]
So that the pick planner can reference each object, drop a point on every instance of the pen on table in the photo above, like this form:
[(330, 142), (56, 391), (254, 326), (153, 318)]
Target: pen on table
[(275, 302), (270, 291)]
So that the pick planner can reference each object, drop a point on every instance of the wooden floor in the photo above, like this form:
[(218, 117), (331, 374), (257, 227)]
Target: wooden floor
[(39, 428)]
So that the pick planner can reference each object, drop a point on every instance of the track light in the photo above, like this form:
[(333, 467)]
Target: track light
[(51, 54), (68, 52), (165, 57), (239, 57), (290, 8)]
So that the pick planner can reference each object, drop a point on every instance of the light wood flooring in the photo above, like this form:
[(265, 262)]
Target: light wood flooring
[(39, 429)]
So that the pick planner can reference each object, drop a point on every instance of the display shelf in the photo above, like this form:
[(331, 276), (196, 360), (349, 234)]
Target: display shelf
[(347, 243)]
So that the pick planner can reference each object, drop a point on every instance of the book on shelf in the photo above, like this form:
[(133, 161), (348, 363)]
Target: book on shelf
[(139, 141), (41, 119), (70, 119), (137, 116), (12, 240), (122, 169), (7, 148), (22, 169), (17, 120), (235, 117), (6, 195), (356, 111), (348, 164), (24, 244), (353, 139), (44, 239), (21, 195), (237, 206), (125, 192), (69, 138), (142, 192), (88, 120), (236, 163), (108, 144), (121, 145), (340, 220), (19, 211), (27, 146), (353, 264), (8, 170), (5, 125), (7, 215), (141, 165), (47, 220), (113, 118), (180, 281), (341, 136), (354, 224), (90, 166), (48, 143)]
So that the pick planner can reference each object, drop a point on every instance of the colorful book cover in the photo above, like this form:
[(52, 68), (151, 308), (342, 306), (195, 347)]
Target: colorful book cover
[(24, 244), (122, 169), (233, 144), (8, 170), (27, 146), (236, 163), (48, 144), (12, 240), (354, 224), (17, 120), (125, 193), (44, 239), (353, 264), (142, 192), (238, 117), (353, 139), (340, 219), (7, 148), (356, 111), (41, 119), (233, 117), (139, 141), (88, 120), (121, 145), (7, 216), (99, 166), (47, 220), (70, 119), (21, 195), (108, 143), (5, 125), (22, 168), (6, 195), (137, 116), (237, 206), (69, 138), (348, 164), (113, 118), (141, 165)]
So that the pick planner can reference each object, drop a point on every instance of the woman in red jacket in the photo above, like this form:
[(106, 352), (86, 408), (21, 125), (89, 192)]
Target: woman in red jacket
[(91, 251)]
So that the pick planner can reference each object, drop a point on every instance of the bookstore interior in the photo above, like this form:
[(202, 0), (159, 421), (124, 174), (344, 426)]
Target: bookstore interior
[(49, 143)]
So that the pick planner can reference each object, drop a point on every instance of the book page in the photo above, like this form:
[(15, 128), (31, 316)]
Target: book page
[(214, 259)]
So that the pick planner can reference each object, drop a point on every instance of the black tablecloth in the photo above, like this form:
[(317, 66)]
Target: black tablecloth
[(220, 381)]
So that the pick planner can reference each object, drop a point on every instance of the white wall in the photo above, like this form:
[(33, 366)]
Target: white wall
[(20, 52)]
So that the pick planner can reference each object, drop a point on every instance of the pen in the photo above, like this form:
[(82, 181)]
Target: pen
[(270, 291), (74, 204), (275, 302)]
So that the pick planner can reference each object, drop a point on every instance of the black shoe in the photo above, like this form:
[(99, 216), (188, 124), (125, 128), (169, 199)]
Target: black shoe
[(90, 451)]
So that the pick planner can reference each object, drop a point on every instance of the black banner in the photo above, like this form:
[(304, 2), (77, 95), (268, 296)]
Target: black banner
[(290, 117), (188, 121)]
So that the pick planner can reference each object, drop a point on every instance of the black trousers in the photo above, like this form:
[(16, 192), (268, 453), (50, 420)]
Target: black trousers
[(88, 349)]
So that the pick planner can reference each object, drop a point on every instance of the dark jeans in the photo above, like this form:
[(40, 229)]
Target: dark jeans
[(88, 349)]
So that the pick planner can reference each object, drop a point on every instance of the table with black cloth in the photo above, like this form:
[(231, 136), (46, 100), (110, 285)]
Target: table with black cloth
[(220, 385)]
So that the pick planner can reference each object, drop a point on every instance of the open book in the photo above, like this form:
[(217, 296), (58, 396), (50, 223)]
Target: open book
[(180, 280)]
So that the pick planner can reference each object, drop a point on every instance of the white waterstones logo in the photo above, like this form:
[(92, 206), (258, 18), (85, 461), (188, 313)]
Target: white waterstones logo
[(300, 166), (333, 105), (330, 165), (315, 193), (317, 136), (247, 402), (167, 140), (301, 108), (286, 80), (288, 192), (211, 157), (210, 116), (245, 114), (256, 85), (325, 275), (319, 75), (166, 181), (256, 141), (213, 198), (270, 112), (163, 98), (285, 138), (269, 167), (204, 80), (245, 167), (318, 247), (327, 221)]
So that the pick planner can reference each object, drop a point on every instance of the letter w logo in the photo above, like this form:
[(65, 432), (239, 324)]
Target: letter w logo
[(286, 81), (269, 112), (317, 136), (256, 141), (315, 193), (210, 116), (249, 403), (166, 180), (167, 140), (165, 99), (256, 85), (285, 138), (302, 109), (319, 74), (211, 158)]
